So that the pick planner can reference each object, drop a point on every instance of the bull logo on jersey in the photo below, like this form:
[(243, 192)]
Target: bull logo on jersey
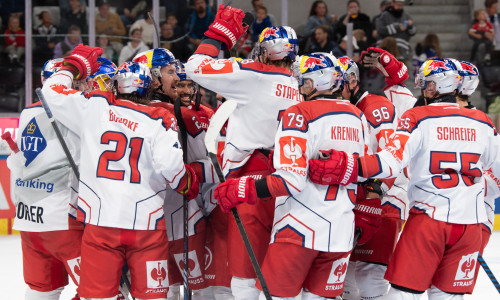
[(292, 150), (157, 274), (194, 270), (32, 141), (338, 272), (467, 267)]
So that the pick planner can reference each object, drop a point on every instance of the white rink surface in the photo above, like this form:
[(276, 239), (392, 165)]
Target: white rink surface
[(12, 286)]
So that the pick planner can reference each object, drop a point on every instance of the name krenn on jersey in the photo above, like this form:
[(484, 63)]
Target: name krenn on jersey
[(456, 134), (343, 133), (130, 124)]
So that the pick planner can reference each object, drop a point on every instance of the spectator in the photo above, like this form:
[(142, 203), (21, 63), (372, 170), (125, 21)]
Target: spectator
[(198, 23), (321, 41), (177, 8), (172, 20), (318, 17), (65, 47), (147, 28), (109, 52), (396, 23), (341, 50), (482, 33), (131, 11), (258, 3), (390, 45), (358, 20), (11, 8), (134, 47), (108, 22), (178, 48), (75, 16), (426, 49), (493, 18), (384, 4), (14, 39), (45, 44), (261, 22)]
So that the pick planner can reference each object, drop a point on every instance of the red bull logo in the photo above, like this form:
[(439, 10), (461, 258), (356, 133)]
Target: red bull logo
[(344, 61), (268, 32), (309, 62), (435, 65), (468, 68), (125, 67)]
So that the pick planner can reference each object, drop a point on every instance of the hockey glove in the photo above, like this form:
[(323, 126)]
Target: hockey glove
[(227, 27), (189, 186), (395, 72), (334, 167), (374, 186), (84, 60), (236, 191), (367, 218)]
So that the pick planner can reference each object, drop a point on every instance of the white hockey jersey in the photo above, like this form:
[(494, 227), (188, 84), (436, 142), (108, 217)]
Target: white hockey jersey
[(129, 153), (492, 192), (263, 92), (44, 183), (446, 148), (317, 217)]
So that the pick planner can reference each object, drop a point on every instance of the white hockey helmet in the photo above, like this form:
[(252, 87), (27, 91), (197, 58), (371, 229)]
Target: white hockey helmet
[(442, 72), (349, 68), (132, 77), (50, 67), (469, 77), (322, 70), (278, 42)]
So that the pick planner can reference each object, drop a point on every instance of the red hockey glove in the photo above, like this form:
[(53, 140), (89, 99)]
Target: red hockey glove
[(367, 217), (334, 167), (395, 71), (227, 27), (84, 59), (236, 191), (190, 186)]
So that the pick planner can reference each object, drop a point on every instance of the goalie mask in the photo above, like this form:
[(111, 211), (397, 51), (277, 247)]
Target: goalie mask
[(132, 78), (50, 67), (102, 79), (437, 77), (277, 43), (320, 72)]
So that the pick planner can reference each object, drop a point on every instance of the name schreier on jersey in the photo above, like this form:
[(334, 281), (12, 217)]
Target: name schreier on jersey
[(456, 134), (130, 124), (343, 133), (287, 92)]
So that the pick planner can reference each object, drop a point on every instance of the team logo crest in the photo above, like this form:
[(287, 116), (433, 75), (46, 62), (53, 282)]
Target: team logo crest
[(467, 267), (157, 274), (338, 272), (293, 151), (194, 269), (267, 33), (434, 65), (32, 141)]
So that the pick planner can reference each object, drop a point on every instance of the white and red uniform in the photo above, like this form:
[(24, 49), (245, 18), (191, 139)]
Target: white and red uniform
[(131, 152), (446, 148), (263, 92), (315, 223), (45, 198)]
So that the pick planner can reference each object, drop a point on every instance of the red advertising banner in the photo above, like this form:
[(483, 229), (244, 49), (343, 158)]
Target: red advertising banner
[(7, 208)]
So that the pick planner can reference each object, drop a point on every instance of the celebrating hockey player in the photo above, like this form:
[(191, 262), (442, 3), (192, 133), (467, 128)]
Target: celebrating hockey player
[(313, 224), (45, 201), (263, 89), (446, 148), (130, 151)]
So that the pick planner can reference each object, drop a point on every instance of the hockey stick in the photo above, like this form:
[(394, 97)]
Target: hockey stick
[(52, 120), (156, 27), (488, 272), (185, 256), (216, 123)]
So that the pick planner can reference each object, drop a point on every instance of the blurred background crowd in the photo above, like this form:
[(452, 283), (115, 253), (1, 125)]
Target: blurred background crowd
[(462, 29)]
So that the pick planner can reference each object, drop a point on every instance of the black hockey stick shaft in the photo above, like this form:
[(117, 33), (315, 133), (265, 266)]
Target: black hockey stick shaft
[(488, 272), (243, 232), (52, 120), (156, 27), (185, 255)]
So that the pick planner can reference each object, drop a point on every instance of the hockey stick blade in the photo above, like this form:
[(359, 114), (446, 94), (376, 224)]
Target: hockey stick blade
[(216, 123)]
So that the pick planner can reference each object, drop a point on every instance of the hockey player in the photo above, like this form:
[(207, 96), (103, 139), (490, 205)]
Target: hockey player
[(102, 79), (263, 89), (446, 148), (131, 152), (369, 259), (45, 200), (313, 224)]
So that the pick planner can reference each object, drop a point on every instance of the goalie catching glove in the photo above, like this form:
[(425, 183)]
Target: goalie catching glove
[(227, 27), (367, 218), (395, 72), (334, 167), (83, 61), (236, 191)]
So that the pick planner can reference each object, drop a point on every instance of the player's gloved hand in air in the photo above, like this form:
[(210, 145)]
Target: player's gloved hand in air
[(227, 27), (367, 218), (236, 191), (334, 167), (83, 61), (189, 186), (395, 72)]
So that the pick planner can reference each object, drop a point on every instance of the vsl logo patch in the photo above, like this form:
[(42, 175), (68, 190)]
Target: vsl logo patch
[(338, 272), (32, 141), (467, 267), (157, 274), (292, 151)]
